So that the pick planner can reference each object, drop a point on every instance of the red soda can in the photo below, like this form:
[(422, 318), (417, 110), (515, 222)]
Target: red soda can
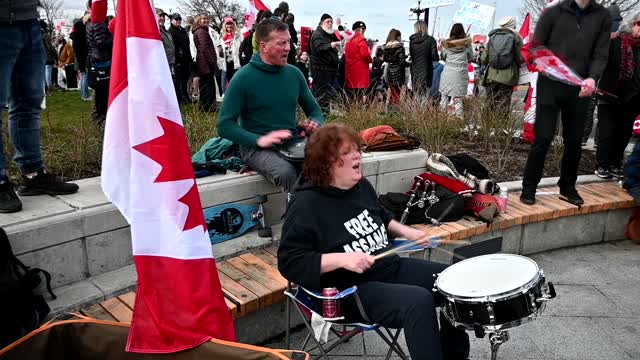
[(330, 307)]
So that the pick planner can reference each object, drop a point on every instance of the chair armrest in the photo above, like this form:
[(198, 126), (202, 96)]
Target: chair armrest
[(341, 295)]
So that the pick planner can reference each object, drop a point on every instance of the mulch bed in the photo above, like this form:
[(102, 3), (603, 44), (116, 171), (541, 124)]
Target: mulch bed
[(517, 158)]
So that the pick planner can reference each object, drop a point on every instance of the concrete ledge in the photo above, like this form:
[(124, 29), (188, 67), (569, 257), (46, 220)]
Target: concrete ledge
[(81, 236)]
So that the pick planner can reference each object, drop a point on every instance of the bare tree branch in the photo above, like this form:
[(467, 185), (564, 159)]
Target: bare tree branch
[(217, 10), (52, 11)]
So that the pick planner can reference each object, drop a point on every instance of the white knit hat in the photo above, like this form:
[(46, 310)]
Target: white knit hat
[(507, 22)]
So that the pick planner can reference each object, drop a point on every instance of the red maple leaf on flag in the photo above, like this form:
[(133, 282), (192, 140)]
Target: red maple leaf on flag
[(195, 217), (171, 151)]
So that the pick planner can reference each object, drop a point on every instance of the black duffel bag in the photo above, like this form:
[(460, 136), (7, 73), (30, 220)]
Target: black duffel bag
[(397, 202)]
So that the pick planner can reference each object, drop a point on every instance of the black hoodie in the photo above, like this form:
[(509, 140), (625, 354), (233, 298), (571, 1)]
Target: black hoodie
[(578, 36), (321, 221)]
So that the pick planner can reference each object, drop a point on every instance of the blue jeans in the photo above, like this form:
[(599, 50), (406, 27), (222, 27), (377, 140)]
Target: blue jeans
[(22, 80), (84, 85), (632, 169), (48, 69)]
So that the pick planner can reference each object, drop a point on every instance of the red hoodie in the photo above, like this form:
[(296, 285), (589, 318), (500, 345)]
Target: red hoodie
[(357, 63)]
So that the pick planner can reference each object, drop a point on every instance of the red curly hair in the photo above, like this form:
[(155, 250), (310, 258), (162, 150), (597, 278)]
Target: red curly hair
[(323, 150)]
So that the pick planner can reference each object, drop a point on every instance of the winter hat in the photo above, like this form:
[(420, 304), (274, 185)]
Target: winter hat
[(507, 22), (358, 25), (325, 17)]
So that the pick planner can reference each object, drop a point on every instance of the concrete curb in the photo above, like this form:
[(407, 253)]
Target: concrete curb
[(552, 181)]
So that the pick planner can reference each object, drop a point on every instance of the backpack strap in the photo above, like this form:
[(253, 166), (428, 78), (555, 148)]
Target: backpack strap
[(32, 273)]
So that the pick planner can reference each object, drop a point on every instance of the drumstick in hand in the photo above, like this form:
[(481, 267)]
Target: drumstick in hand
[(411, 244)]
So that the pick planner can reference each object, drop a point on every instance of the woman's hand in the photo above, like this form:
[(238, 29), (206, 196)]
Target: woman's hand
[(409, 233), (357, 262), (419, 236)]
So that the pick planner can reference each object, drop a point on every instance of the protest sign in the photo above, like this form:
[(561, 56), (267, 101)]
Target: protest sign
[(474, 14)]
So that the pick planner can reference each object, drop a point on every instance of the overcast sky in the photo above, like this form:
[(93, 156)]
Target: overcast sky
[(379, 15)]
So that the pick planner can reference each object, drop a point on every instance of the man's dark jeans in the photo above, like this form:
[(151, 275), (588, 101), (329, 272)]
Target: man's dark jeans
[(554, 98), (22, 80), (268, 163)]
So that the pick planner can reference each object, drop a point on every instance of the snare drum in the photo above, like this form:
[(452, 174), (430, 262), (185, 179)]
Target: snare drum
[(495, 292)]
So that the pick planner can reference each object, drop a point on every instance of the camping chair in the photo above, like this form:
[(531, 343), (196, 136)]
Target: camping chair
[(309, 302)]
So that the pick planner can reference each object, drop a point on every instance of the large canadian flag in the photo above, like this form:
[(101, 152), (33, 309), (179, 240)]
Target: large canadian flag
[(147, 174)]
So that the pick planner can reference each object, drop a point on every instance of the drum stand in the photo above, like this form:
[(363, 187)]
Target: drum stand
[(496, 339)]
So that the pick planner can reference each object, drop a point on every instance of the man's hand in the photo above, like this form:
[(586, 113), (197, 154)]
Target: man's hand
[(308, 126), (335, 44), (357, 262), (273, 138), (588, 88)]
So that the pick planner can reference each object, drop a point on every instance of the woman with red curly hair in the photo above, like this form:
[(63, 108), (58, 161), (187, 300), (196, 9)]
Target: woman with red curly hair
[(333, 229)]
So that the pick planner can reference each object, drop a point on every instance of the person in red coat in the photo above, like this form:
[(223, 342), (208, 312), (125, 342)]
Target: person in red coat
[(357, 60)]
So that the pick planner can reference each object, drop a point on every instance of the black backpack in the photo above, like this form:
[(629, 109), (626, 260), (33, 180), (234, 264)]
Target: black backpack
[(452, 203), (21, 310), (502, 48)]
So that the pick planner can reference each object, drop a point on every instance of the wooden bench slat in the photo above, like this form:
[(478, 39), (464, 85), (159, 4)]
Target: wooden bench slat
[(566, 209), (273, 250), (612, 190), (263, 293), (256, 274), (233, 308), (245, 300), (592, 203), (265, 267), (118, 310), (276, 283), (528, 212), (97, 312), (128, 299), (267, 257)]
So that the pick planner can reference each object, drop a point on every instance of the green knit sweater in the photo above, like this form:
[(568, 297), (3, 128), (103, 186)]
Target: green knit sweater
[(262, 98)]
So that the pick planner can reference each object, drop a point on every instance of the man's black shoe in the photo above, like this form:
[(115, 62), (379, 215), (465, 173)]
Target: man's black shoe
[(603, 173), (528, 196), (9, 201), (45, 183), (617, 172), (571, 195)]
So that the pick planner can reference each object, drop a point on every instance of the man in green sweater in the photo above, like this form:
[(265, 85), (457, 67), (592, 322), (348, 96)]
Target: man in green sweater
[(259, 108)]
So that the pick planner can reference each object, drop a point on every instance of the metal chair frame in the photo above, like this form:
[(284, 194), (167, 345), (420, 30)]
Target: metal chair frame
[(390, 338), (298, 294)]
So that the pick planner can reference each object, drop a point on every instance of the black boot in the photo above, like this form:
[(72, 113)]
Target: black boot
[(43, 182), (528, 196), (571, 195), (9, 201)]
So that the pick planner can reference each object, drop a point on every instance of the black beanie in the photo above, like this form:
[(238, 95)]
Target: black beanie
[(325, 17)]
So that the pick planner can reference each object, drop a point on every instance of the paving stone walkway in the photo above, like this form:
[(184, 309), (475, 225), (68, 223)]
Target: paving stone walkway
[(595, 316)]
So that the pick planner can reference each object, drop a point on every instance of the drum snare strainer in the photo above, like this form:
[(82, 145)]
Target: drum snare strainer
[(494, 293)]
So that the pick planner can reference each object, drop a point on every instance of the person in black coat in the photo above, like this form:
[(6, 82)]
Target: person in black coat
[(100, 47), (396, 60), (183, 58), (616, 117), (578, 32), (302, 61), (323, 49), (81, 51), (294, 38), (424, 52)]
